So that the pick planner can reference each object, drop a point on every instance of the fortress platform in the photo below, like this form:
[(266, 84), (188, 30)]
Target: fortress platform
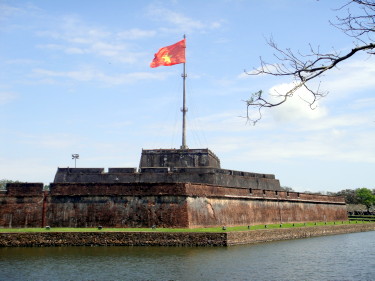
[(183, 188)]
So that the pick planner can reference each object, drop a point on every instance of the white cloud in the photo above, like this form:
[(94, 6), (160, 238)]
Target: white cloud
[(348, 82), (272, 68), (173, 17), (73, 36), (136, 33), (296, 107), (351, 76), (330, 145), (364, 103), (243, 75), (74, 50), (6, 97), (179, 21), (119, 125), (90, 74), (349, 120), (108, 50), (54, 141), (114, 52), (21, 61), (221, 122), (27, 170), (7, 11), (132, 77), (80, 75), (343, 137), (51, 46), (73, 29)]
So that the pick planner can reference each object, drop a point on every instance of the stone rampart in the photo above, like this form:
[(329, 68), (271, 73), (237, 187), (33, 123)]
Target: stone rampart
[(46, 239), (269, 235), (212, 206), (43, 239), (160, 204)]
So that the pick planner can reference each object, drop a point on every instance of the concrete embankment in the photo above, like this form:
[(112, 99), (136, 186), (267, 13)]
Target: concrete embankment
[(267, 235), (45, 239)]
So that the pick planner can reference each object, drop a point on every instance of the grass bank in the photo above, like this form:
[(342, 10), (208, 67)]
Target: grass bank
[(362, 217), (209, 229)]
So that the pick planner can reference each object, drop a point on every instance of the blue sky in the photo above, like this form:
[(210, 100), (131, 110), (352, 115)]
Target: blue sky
[(75, 78)]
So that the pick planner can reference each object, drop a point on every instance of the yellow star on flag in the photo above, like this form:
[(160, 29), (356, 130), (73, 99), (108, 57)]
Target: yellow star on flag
[(166, 58), (169, 55)]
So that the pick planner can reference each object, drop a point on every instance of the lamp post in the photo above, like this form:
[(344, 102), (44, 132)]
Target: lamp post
[(75, 157)]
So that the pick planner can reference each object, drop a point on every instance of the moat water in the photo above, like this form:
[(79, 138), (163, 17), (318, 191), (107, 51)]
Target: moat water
[(339, 257)]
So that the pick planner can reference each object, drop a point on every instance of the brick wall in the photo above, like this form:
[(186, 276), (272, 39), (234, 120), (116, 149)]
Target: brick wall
[(22, 205), (205, 211), (160, 204)]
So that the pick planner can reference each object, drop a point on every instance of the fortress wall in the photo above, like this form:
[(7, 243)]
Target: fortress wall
[(213, 206), (22, 205), (117, 211), (117, 205), (160, 204), (206, 211), (212, 191), (114, 189), (91, 205)]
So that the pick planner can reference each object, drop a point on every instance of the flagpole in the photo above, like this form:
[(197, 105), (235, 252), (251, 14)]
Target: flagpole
[(184, 108)]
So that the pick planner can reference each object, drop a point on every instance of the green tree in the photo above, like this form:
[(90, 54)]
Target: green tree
[(365, 197), (287, 188), (349, 195), (3, 183)]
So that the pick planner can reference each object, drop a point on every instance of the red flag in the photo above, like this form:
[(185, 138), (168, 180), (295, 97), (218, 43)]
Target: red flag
[(170, 55)]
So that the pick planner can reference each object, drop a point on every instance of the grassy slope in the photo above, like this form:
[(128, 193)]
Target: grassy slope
[(211, 229)]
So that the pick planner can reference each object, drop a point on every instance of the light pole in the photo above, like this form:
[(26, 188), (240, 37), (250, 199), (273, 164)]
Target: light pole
[(75, 157)]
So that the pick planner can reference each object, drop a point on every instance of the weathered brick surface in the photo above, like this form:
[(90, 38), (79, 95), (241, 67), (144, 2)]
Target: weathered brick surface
[(165, 175), (22, 205), (214, 205), (251, 193), (24, 189), (160, 204), (117, 211), (115, 189), (111, 239), (205, 211)]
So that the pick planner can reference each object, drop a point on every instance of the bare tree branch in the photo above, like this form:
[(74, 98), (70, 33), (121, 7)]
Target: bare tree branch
[(303, 68)]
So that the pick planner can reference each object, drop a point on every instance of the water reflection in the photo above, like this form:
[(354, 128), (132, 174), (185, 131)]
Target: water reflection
[(340, 257)]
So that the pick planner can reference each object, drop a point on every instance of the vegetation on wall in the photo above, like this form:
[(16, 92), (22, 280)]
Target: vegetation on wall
[(3, 183)]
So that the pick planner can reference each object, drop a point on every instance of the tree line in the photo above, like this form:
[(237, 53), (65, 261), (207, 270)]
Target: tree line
[(362, 196)]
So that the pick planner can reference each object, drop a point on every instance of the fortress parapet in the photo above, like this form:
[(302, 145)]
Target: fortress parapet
[(170, 166)]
